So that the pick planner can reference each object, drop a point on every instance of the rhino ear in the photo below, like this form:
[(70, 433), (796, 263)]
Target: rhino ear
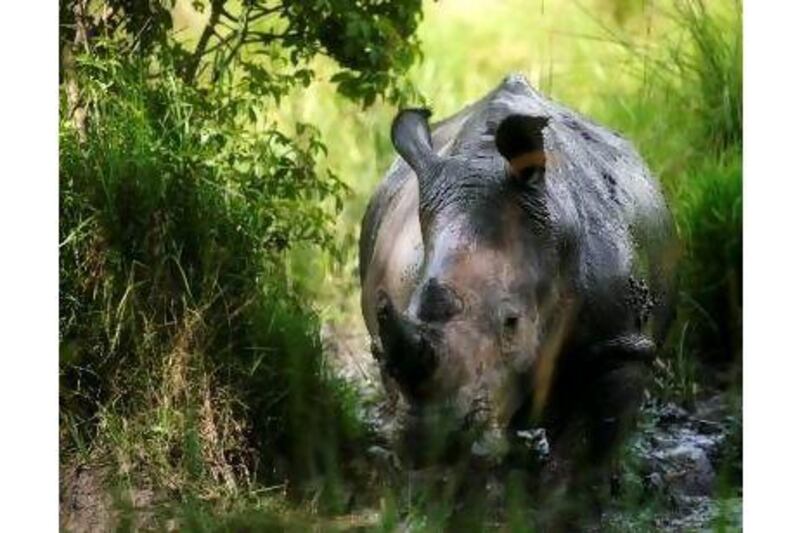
[(411, 137), (519, 139)]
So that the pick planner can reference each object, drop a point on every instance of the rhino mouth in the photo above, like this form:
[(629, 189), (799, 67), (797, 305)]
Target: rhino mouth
[(437, 436), (446, 432), (440, 421)]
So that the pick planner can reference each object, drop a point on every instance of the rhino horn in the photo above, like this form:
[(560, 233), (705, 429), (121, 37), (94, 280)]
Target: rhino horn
[(409, 354)]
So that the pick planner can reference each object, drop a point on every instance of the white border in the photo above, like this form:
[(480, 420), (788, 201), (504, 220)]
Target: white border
[(771, 299), (29, 267), (29, 283)]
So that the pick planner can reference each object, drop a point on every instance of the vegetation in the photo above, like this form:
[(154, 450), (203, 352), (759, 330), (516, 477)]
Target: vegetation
[(216, 158), (185, 347), (696, 83)]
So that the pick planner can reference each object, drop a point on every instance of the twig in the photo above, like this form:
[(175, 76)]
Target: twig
[(191, 68), (242, 35)]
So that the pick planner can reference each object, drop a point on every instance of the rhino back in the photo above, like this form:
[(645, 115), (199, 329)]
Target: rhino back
[(590, 169)]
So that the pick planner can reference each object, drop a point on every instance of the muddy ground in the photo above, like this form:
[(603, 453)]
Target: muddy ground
[(682, 466)]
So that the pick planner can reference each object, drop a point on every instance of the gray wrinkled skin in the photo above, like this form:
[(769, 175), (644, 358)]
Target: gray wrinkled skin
[(502, 301)]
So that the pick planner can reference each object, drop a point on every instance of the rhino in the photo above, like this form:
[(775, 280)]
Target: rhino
[(516, 265)]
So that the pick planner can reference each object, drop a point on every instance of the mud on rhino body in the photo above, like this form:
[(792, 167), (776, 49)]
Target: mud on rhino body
[(516, 267)]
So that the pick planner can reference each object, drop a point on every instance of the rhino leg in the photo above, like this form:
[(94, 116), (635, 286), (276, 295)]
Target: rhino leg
[(597, 397), (612, 404), (614, 390)]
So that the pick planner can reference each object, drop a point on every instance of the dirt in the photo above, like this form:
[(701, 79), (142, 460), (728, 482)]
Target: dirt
[(85, 503), (687, 460), (88, 503)]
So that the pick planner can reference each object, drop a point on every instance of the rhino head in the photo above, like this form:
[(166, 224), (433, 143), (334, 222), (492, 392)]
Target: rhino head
[(471, 337)]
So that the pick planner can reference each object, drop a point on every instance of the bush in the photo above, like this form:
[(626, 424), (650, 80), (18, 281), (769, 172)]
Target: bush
[(709, 200), (186, 354), (710, 219), (190, 355)]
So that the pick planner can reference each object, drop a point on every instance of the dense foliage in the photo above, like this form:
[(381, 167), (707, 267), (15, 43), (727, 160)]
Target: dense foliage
[(273, 42), (189, 357), (710, 213)]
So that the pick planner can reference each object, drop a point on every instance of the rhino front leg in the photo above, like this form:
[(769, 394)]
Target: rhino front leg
[(620, 370), (612, 397), (611, 409), (597, 399)]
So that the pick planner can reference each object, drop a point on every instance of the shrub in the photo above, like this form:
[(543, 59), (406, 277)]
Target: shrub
[(190, 357), (710, 218), (173, 298)]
